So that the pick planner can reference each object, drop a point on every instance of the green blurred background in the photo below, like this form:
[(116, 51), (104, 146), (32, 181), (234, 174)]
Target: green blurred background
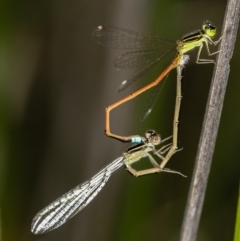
[(54, 86)]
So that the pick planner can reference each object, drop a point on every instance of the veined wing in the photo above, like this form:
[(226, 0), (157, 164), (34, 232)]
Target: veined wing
[(126, 39), (150, 49), (152, 100), (142, 57), (140, 73), (65, 207)]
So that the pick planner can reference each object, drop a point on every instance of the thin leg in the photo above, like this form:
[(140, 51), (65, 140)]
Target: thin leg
[(152, 160), (155, 169), (217, 41), (143, 172), (173, 65), (203, 61), (164, 149), (207, 61), (166, 139), (172, 171)]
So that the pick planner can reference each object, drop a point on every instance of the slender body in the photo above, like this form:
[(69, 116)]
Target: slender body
[(149, 51), (69, 204), (174, 64), (65, 207)]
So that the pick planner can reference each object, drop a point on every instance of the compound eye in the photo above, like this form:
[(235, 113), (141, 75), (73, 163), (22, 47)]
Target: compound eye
[(156, 140), (150, 133), (209, 29), (153, 137)]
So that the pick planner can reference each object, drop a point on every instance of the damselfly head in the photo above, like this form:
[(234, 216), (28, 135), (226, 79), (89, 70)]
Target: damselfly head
[(153, 137), (209, 28)]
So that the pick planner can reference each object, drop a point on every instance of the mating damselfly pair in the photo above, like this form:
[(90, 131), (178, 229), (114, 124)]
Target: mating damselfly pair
[(148, 50)]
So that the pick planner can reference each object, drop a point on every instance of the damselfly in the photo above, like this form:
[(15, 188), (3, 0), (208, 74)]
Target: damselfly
[(148, 51), (68, 205)]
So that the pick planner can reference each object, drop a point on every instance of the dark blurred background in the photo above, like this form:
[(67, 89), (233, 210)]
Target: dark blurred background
[(55, 84)]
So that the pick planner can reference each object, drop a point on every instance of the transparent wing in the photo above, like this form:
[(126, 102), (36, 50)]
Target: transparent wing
[(127, 82), (126, 39), (152, 100), (150, 49), (138, 58), (68, 205)]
